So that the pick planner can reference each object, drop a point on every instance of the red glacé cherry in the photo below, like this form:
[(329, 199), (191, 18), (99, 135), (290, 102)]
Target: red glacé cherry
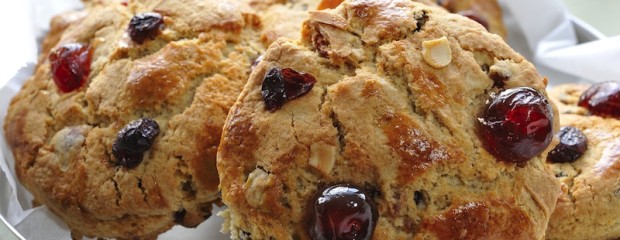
[(70, 66), (341, 212), (516, 125), (602, 99)]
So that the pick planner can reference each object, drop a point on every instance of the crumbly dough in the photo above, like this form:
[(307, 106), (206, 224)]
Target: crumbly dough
[(380, 117), (589, 204)]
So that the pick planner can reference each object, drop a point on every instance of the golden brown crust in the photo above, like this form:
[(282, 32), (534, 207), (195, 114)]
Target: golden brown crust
[(186, 79), (589, 204), (378, 103), (488, 10)]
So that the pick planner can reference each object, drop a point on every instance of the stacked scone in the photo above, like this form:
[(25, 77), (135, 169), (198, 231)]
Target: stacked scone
[(389, 120), (587, 162), (118, 129)]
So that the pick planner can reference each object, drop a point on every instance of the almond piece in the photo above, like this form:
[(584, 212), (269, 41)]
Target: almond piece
[(322, 157), (437, 52)]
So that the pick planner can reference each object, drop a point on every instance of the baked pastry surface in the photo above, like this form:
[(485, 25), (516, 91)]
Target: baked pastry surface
[(184, 78), (589, 203), (389, 117)]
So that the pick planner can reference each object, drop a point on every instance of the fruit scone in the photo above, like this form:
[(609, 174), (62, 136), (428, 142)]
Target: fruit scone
[(117, 131), (486, 12), (587, 162), (389, 119)]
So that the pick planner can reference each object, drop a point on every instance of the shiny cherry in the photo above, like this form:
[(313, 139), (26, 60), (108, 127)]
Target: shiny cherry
[(516, 125), (602, 99), (341, 212)]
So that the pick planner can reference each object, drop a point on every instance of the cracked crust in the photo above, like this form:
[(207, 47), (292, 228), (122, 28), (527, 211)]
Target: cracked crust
[(399, 127), (186, 79), (589, 204)]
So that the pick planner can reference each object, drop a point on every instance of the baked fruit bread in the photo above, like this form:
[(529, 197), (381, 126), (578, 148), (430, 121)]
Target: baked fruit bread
[(389, 119), (486, 12), (587, 162), (117, 131)]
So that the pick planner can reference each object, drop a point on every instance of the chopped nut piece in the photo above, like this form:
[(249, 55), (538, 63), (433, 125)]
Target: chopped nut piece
[(437, 52), (256, 186), (322, 157)]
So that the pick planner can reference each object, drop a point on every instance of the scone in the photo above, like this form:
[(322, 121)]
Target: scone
[(117, 131), (486, 12), (389, 119), (587, 162)]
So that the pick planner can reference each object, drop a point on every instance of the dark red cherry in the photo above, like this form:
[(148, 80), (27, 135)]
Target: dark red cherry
[(473, 15), (602, 99), (283, 85), (133, 140), (516, 125), (341, 212), (573, 144), (70, 65), (145, 26)]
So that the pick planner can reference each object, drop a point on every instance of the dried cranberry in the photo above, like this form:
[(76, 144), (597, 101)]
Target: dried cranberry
[(602, 99), (341, 212), (516, 124), (145, 26), (573, 143), (133, 140), (473, 15), (283, 85), (70, 66)]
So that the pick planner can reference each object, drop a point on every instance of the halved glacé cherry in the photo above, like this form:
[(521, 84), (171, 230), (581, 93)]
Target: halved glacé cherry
[(341, 212), (283, 85), (70, 65), (516, 125), (602, 99)]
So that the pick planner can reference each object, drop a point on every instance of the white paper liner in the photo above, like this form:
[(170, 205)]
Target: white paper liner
[(541, 30)]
